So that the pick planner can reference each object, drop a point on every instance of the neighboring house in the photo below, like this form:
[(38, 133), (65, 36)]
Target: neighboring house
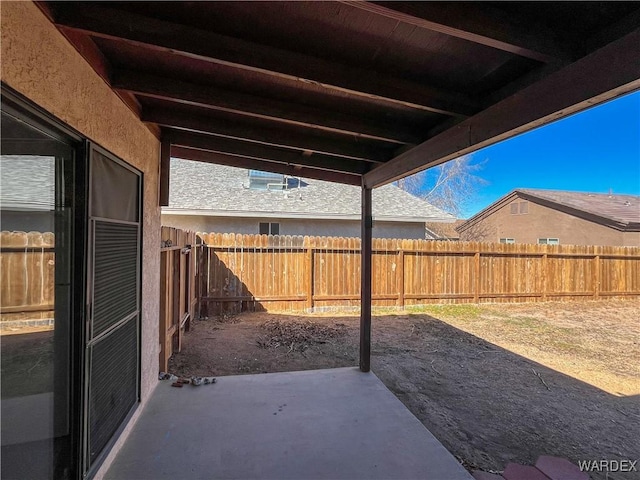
[(557, 217), (443, 231), (206, 197)]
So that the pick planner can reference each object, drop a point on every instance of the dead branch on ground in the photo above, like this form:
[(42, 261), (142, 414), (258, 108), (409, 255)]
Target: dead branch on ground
[(298, 336), (541, 379)]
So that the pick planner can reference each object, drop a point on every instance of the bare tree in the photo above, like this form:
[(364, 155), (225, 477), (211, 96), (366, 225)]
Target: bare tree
[(450, 186)]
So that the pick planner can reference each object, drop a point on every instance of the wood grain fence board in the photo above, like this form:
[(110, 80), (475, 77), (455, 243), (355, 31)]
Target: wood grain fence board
[(283, 281), (254, 272), (450, 271), (27, 275), (180, 288)]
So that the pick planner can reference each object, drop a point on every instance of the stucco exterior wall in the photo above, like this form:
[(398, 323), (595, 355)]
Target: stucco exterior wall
[(544, 222), (330, 228), (38, 62), (631, 239)]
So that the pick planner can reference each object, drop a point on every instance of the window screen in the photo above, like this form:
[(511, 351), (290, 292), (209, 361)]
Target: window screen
[(114, 292), (116, 274), (113, 384), (114, 190)]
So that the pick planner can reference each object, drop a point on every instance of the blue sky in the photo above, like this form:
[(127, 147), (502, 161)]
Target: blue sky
[(595, 150)]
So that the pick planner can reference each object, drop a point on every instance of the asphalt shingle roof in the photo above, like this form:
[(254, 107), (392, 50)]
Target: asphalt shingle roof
[(623, 209), (204, 186)]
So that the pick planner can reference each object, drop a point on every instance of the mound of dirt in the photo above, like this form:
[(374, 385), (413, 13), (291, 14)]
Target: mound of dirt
[(297, 336)]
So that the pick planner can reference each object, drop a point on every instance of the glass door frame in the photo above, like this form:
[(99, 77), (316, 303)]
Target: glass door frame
[(22, 109)]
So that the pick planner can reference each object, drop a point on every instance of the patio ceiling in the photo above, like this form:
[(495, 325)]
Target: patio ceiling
[(352, 92)]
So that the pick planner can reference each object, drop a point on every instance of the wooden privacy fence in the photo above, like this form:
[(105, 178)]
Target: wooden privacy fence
[(178, 295), (230, 273), (27, 283), (260, 272), (27, 277)]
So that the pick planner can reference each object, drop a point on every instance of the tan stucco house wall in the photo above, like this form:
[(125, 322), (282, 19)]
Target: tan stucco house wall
[(544, 222), (39, 63)]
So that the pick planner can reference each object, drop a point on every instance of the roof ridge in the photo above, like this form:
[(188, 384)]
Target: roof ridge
[(606, 212), (578, 192)]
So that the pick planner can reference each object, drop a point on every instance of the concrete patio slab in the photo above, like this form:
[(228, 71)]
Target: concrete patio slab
[(321, 424)]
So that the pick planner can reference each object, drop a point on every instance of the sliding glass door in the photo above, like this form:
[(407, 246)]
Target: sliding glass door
[(69, 296), (37, 249)]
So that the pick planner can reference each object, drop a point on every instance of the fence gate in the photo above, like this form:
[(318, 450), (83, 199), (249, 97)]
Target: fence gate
[(178, 296)]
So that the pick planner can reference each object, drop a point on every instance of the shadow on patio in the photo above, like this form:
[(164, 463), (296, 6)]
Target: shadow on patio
[(335, 423)]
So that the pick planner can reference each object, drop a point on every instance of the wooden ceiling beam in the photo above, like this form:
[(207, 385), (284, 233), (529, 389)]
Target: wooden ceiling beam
[(203, 45), (262, 152), (94, 57), (607, 73), (273, 136), (259, 107), (476, 23), (252, 164), (610, 33)]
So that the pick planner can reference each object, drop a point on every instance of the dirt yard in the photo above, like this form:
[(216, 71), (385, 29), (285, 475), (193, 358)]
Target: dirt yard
[(495, 384)]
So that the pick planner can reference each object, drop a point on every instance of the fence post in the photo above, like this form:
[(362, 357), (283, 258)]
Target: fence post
[(198, 281), (476, 291), (309, 277), (596, 277), (205, 279), (400, 277), (545, 274), (164, 310)]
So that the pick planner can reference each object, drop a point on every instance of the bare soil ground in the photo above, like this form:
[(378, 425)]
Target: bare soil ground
[(494, 383)]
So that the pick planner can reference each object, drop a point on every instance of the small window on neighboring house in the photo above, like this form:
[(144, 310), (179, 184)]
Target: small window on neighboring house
[(549, 241), (269, 228), (519, 208), (507, 240)]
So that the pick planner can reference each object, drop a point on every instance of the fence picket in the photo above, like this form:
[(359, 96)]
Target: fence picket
[(249, 272)]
